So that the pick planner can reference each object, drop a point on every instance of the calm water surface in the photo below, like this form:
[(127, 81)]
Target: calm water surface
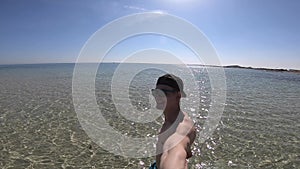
[(39, 128)]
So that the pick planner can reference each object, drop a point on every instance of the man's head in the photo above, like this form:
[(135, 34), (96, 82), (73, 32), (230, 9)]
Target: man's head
[(169, 90)]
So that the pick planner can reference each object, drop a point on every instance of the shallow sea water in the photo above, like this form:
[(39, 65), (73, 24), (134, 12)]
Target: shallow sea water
[(39, 128)]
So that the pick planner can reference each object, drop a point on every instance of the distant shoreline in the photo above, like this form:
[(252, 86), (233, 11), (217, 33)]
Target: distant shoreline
[(265, 69), (229, 66), (242, 67)]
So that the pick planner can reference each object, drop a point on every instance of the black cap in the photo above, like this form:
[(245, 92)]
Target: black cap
[(172, 81)]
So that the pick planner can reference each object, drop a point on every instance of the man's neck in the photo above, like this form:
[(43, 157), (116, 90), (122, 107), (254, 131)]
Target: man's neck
[(171, 115)]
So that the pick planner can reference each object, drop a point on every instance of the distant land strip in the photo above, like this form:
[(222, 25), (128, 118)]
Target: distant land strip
[(242, 67), (266, 69)]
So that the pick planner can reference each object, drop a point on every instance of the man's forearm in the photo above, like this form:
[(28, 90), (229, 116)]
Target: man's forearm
[(174, 158)]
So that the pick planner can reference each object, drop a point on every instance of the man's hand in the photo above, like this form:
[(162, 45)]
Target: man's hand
[(177, 147), (185, 134)]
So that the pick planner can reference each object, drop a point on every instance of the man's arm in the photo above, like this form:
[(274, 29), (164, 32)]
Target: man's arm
[(175, 158), (177, 147)]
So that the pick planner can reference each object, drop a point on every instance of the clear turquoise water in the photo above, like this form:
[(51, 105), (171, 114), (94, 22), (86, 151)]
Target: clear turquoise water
[(39, 128)]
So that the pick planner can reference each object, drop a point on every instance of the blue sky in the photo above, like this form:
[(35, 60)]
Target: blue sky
[(257, 33)]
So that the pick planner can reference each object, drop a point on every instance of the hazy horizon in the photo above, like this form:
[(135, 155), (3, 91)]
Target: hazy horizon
[(190, 64)]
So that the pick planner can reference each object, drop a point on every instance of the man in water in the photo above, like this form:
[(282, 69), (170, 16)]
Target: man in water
[(178, 132)]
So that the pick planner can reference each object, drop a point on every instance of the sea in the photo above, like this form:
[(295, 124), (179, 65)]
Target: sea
[(40, 127)]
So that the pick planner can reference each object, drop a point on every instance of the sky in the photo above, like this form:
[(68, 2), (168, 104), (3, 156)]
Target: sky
[(256, 33)]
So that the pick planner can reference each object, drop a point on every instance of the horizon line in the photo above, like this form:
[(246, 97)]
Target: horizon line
[(189, 64)]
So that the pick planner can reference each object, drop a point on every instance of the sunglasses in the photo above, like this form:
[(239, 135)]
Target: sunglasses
[(161, 92)]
